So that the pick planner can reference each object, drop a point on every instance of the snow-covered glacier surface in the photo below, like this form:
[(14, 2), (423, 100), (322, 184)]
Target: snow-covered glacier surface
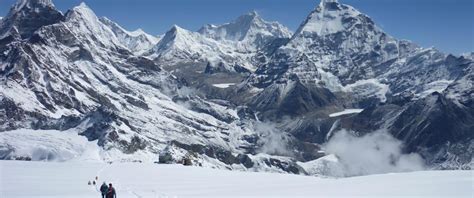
[(39, 179)]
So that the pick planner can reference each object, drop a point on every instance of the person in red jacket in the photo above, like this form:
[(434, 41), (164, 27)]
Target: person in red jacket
[(111, 192)]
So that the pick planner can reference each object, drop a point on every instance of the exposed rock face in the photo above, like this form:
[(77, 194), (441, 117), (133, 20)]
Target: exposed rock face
[(292, 98)]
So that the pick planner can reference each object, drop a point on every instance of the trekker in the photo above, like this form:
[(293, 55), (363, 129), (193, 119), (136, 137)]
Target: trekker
[(111, 192), (104, 189)]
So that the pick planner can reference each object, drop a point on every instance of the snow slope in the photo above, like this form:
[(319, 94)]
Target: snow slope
[(150, 180)]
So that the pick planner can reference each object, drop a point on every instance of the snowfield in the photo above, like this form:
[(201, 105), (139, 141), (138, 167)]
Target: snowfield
[(69, 179)]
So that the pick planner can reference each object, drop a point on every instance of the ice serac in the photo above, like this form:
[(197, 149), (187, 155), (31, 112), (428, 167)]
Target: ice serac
[(26, 16)]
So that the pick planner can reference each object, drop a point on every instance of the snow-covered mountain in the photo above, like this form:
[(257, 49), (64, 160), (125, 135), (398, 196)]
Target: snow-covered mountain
[(236, 44), (343, 54), (343, 50), (469, 55), (181, 45), (76, 77), (250, 30), (137, 41), (34, 13), (137, 97)]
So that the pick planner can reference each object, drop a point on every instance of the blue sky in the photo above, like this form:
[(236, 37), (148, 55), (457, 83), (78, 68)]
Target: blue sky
[(445, 24)]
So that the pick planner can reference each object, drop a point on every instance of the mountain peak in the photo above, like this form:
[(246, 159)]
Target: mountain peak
[(83, 8), (247, 25), (138, 31), (248, 19), (330, 17), (173, 33), (324, 2), (83, 5), (137, 41), (253, 13), (250, 15), (20, 4), (176, 28), (181, 35), (26, 16), (89, 26), (82, 11)]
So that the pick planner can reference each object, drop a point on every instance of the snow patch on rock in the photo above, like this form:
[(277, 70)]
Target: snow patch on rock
[(367, 88), (223, 85), (345, 112)]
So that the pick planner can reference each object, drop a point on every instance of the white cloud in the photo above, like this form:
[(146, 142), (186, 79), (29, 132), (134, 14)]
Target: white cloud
[(373, 153)]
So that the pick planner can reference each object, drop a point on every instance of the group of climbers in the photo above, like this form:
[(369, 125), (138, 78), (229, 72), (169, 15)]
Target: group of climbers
[(106, 191)]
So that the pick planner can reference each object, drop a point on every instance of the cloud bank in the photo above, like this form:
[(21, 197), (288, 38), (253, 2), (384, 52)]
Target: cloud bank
[(373, 153), (273, 141)]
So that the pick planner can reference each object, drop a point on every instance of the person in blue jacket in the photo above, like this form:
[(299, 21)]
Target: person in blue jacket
[(104, 189)]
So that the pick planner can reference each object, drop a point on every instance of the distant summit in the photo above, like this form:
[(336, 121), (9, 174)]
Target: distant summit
[(26, 16), (246, 27), (231, 45)]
